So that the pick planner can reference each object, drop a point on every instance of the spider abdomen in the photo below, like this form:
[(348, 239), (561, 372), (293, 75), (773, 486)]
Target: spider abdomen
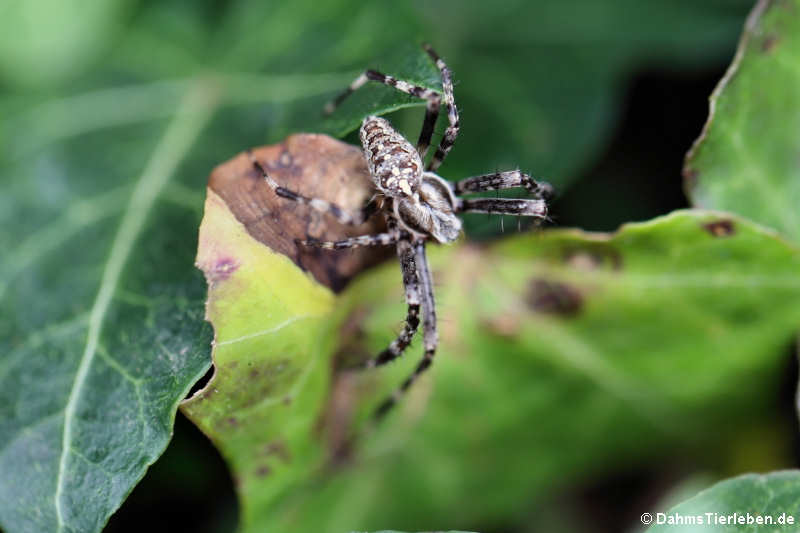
[(395, 165)]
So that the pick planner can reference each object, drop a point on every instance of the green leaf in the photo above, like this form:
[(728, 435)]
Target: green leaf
[(746, 160), (559, 345), (753, 503), (101, 339)]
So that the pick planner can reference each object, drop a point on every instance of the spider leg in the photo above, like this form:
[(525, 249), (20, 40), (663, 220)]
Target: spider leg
[(381, 239), (323, 206), (451, 132), (405, 252), (536, 208), (504, 180), (431, 113), (430, 335)]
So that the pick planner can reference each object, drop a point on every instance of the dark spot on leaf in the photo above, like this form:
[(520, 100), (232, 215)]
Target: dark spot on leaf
[(336, 424), (352, 351), (232, 421), (720, 228), (278, 449), (222, 269), (287, 400), (769, 43), (268, 379), (263, 471), (553, 297)]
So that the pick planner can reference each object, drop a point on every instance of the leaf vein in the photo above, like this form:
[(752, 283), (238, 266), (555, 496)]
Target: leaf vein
[(190, 118)]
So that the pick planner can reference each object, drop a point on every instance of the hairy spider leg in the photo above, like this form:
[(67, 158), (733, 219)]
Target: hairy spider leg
[(504, 180), (408, 265), (451, 132), (430, 334), (529, 207), (380, 239), (433, 105), (432, 109), (323, 206)]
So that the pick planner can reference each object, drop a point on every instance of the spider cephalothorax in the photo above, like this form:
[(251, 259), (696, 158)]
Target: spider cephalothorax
[(418, 205)]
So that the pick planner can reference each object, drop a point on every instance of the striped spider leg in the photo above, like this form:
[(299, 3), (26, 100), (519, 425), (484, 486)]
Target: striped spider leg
[(433, 98), (323, 206), (535, 207)]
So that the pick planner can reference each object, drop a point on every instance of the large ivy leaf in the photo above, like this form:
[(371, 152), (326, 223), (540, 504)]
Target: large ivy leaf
[(559, 345), (746, 159), (101, 334), (752, 503)]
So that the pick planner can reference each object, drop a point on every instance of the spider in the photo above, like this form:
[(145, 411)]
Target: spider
[(418, 205)]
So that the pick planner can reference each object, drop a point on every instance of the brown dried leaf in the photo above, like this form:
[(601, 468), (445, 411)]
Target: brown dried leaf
[(314, 165)]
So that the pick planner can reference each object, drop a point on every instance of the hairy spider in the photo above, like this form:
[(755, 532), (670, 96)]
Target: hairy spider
[(418, 205)]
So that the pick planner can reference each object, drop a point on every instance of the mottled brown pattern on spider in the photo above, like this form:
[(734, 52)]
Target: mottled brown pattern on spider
[(318, 166), (394, 163)]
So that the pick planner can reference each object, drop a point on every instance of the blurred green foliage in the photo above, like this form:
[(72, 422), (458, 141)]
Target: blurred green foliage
[(559, 358), (99, 98), (747, 160)]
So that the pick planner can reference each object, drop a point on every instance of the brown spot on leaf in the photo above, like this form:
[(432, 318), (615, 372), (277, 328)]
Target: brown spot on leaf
[(769, 42), (277, 449), (335, 425), (263, 471), (267, 380), (553, 297), (316, 166), (352, 351), (337, 422), (720, 228)]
